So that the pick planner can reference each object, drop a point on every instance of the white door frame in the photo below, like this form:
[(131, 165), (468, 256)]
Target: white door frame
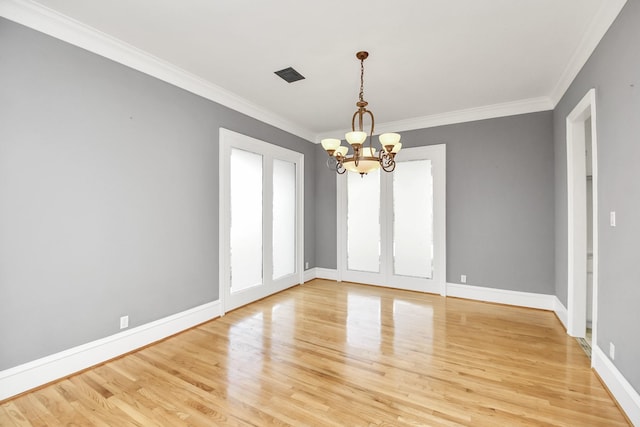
[(437, 153), (577, 216), (229, 139)]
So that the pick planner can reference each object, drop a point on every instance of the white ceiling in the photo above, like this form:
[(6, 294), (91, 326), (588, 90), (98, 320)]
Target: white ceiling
[(428, 58)]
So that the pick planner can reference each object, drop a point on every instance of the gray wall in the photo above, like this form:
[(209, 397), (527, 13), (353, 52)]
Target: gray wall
[(108, 195), (326, 231), (614, 71), (500, 213)]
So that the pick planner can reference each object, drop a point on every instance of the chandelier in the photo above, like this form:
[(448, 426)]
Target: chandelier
[(362, 159)]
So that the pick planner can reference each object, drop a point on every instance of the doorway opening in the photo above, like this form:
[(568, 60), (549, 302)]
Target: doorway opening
[(582, 191), (590, 208)]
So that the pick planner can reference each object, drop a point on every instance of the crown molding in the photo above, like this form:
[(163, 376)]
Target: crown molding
[(52, 23), (532, 105), (607, 13)]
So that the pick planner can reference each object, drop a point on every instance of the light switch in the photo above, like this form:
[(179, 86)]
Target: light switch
[(612, 218)]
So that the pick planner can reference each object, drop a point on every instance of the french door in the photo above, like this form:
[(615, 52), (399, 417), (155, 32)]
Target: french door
[(261, 214), (392, 225)]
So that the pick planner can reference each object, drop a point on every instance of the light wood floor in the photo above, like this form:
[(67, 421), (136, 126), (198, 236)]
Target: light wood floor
[(325, 354)]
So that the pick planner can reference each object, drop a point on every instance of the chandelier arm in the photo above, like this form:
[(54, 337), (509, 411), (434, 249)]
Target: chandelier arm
[(340, 169), (390, 167), (353, 120), (386, 160), (372, 128), (373, 121), (330, 163)]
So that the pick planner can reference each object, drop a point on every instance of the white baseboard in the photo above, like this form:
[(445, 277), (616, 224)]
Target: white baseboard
[(30, 375), (501, 296), (478, 293), (326, 273), (309, 274), (561, 312), (625, 394)]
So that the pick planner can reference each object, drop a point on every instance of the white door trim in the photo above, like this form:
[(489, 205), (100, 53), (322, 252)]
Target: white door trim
[(437, 153), (227, 140), (577, 221)]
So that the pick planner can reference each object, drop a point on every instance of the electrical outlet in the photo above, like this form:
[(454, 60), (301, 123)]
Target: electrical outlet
[(124, 322), (612, 351), (463, 278), (306, 265)]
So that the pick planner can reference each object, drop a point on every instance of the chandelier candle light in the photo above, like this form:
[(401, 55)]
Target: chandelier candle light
[(363, 159)]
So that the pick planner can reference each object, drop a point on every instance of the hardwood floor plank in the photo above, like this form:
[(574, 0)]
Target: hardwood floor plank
[(341, 354), (11, 415)]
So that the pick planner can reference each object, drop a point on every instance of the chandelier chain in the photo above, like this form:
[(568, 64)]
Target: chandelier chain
[(362, 80)]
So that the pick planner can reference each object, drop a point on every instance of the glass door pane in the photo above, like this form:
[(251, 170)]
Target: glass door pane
[(363, 222), (246, 219), (413, 219), (284, 218)]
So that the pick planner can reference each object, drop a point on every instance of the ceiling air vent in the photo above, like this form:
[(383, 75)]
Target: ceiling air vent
[(290, 75)]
